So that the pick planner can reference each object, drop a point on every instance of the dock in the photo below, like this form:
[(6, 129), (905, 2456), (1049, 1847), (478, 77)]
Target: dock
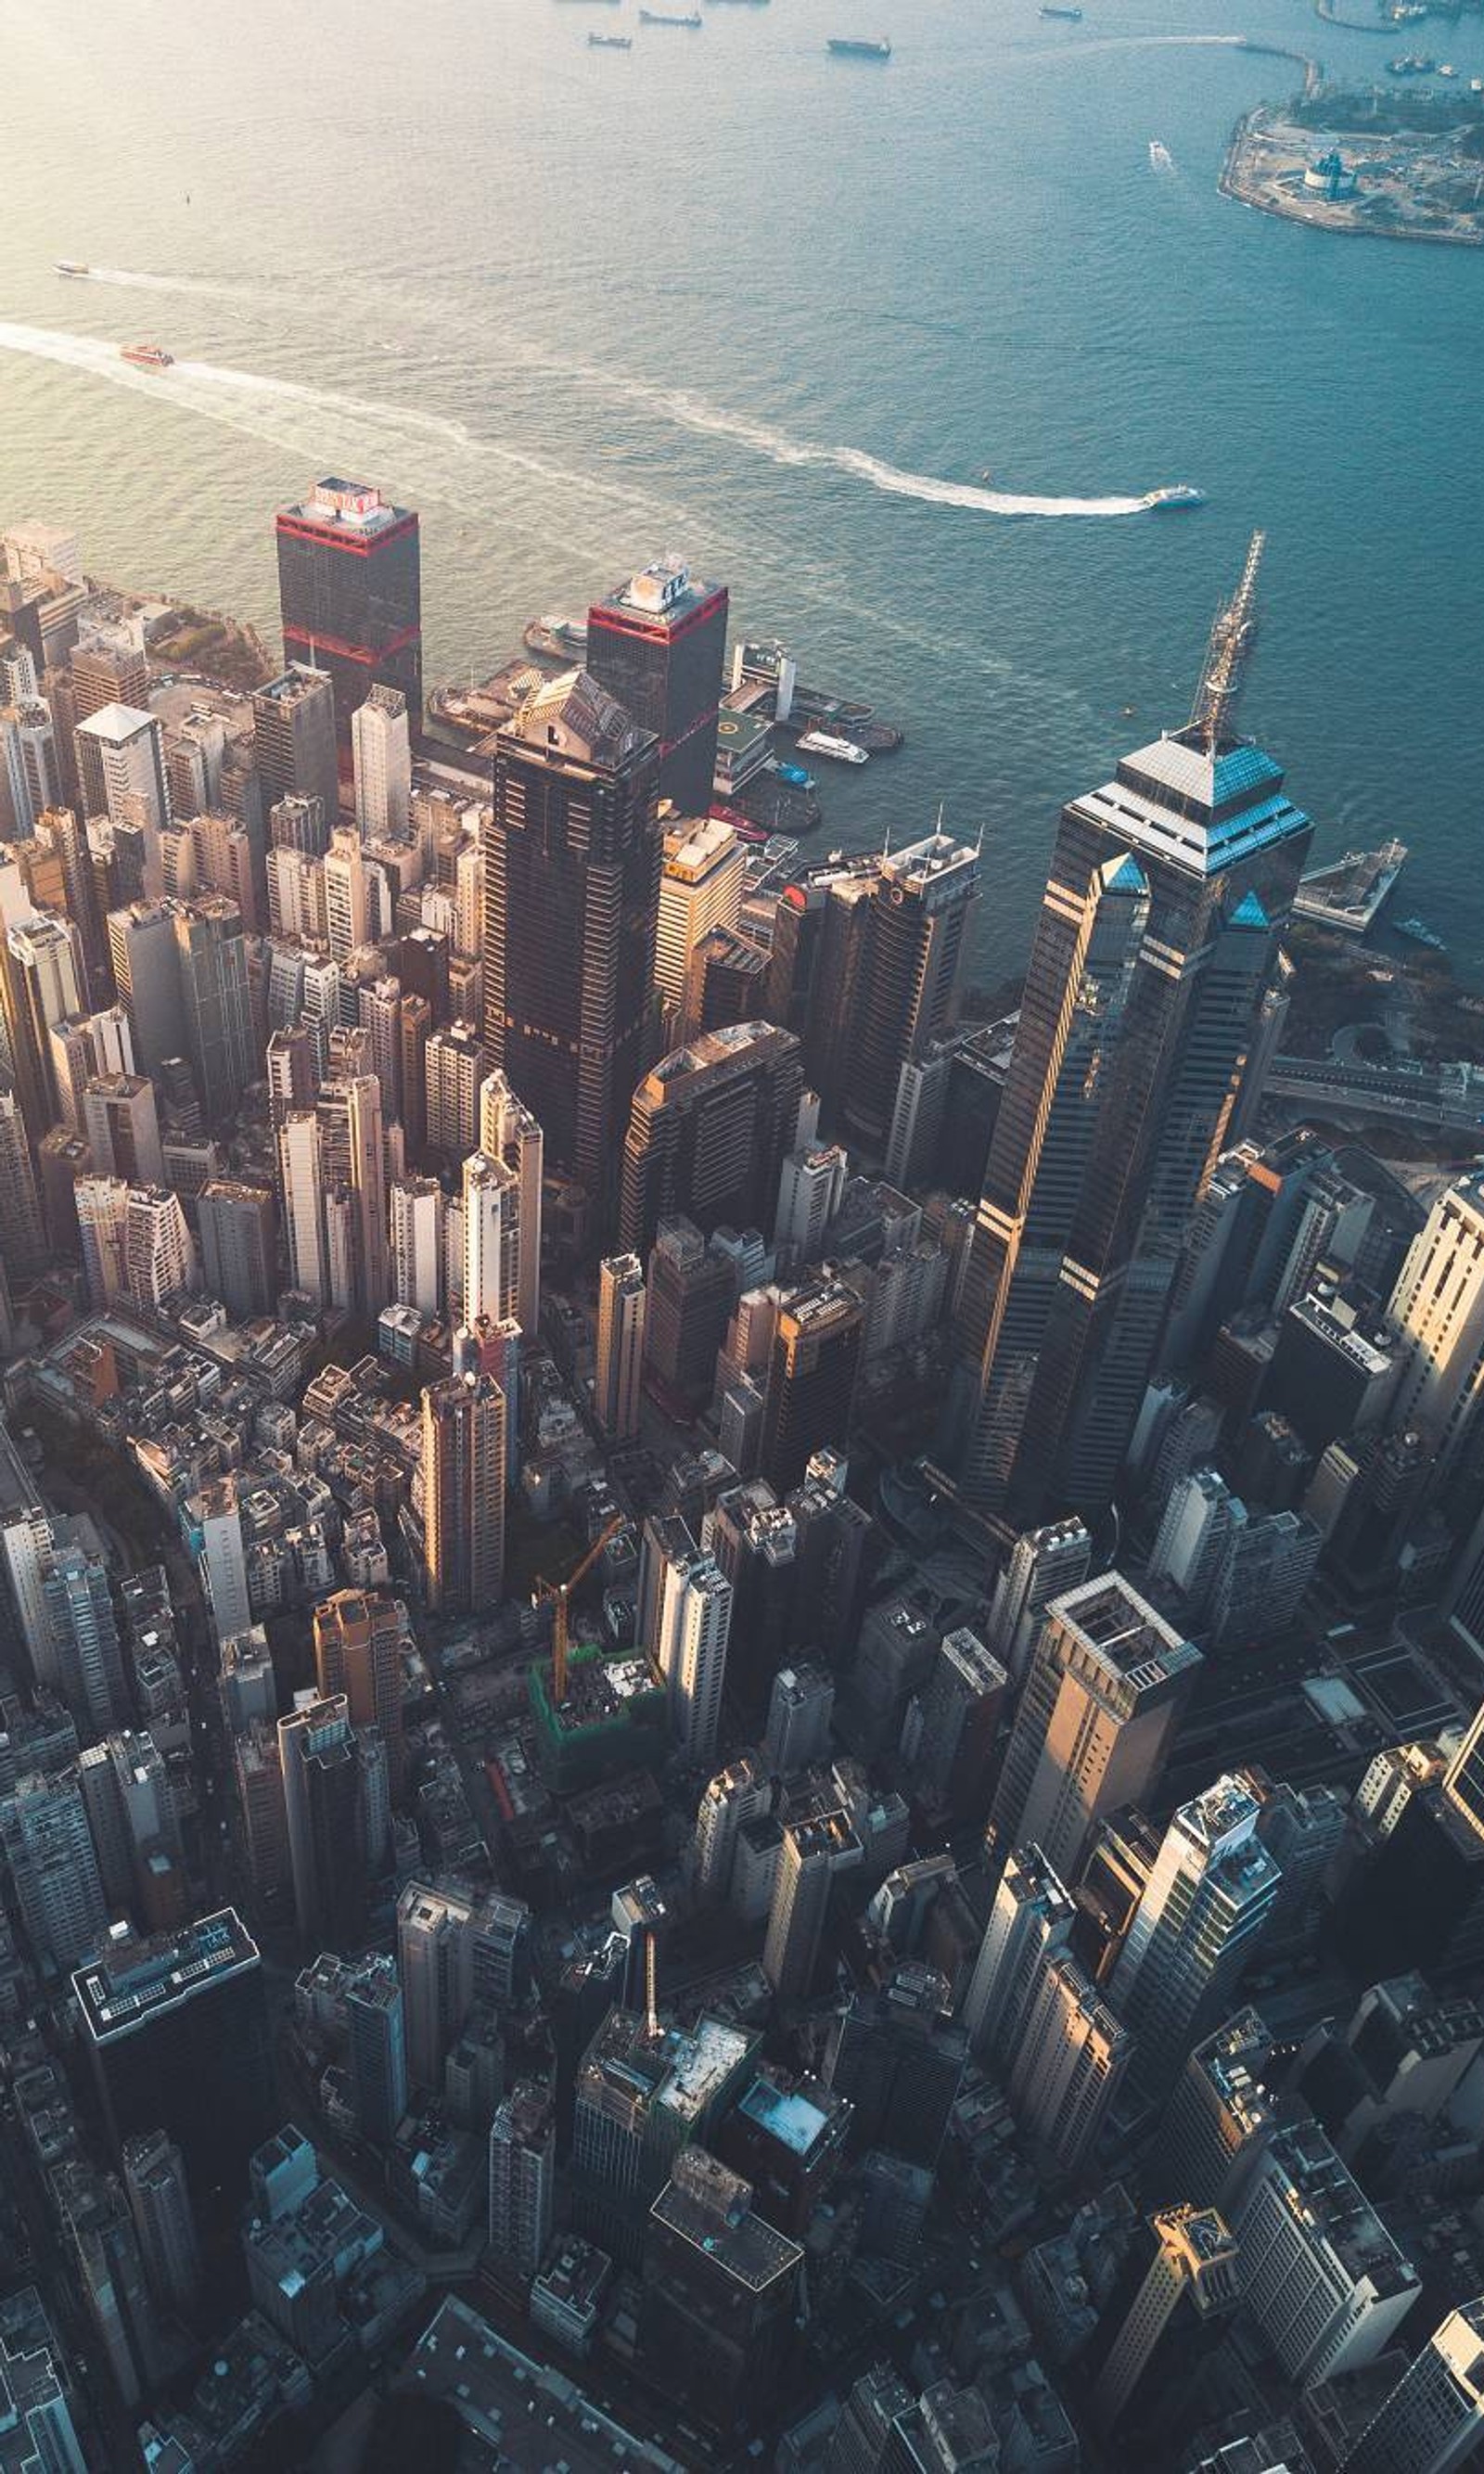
[(1348, 896)]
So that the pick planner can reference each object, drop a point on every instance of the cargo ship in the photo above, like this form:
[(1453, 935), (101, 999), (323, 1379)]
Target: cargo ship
[(824, 743), (852, 47), (147, 356)]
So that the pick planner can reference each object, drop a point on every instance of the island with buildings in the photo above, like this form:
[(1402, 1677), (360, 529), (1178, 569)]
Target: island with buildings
[(1403, 166)]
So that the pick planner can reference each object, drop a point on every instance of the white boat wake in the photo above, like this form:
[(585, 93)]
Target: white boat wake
[(130, 280)]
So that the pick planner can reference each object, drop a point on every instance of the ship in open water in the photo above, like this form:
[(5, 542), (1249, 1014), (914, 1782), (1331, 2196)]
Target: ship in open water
[(147, 356), (858, 47)]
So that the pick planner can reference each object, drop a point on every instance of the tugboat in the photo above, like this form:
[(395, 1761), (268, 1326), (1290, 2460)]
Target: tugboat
[(1180, 494), (852, 47), (147, 356)]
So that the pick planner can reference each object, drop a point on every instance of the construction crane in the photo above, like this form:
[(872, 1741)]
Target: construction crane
[(558, 1592), (1230, 640)]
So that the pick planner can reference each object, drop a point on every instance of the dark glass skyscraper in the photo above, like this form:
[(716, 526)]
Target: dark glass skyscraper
[(657, 644), (350, 593), (1158, 939), (572, 890)]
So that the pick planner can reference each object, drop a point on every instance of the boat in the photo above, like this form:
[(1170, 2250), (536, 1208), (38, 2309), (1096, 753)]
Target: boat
[(840, 751), (1074, 16), (147, 356), (1418, 932), (1180, 494), (1160, 158), (663, 17), (71, 266), (611, 42), (796, 776), (1446, 68), (858, 47)]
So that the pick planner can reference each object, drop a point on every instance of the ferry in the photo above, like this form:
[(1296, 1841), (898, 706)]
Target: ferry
[(1418, 932), (840, 751), (663, 17), (147, 356), (611, 42), (1160, 158), (852, 47), (71, 266), (1072, 16), (1180, 494)]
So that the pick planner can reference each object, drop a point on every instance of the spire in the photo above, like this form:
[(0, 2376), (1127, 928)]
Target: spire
[(1230, 640)]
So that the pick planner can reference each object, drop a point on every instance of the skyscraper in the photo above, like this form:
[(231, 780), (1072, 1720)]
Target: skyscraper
[(812, 1852), (49, 1850), (810, 1377), (464, 1468), (1043, 1563), (383, 765), (121, 766), (159, 1259), (1321, 2276), (1434, 2417), (522, 2178), (84, 1635), (357, 1651), (1438, 1306), (700, 888), (1030, 1923), (915, 926), (23, 1244), (716, 2321), (1168, 891), (294, 729), (436, 1960), (1173, 2303), (509, 1133), (492, 1239), (621, 1346), (322, 1798), (692, 1623), (350, 592), (376, 2047), (238, 1253), (159, 2203), (1105, 1690), (708, 1133), (657, 644), (121, 1124), (572, 845)]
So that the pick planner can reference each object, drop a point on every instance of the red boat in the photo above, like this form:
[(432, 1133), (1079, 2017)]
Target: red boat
[(147, 356)]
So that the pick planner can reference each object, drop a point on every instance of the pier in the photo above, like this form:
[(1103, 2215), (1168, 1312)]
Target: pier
[(1348, 896)]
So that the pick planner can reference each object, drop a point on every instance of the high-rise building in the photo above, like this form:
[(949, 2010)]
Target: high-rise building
[(49, 1852), (491, 1238), (465, 1444), (102, 1208), (111, 2276), (176, 2030), (215, 1008), (509, 1133), (323, 1803), (690, 1295), (350, 593), (700, 888), (657, 644), (295, 722), (1321, 2277), (121, 1125), (121, 769), (160, 1258), (811, 1186), (453, 1068), (1168, 891), (145, 960), (719, 2285), (620, 1347), (375, 2042), (898, 2054), (1043, 1564), (1208, 1900), (352, 1144), (708, 1133), (302, 1184), (237, 1226), (1438, 1306), (89, 1659), (1173, 2305), (799, 1710), (915, 932), (435, 1959), (382, 756), (23, 1243), (1106, 1686), (573, 843), (741, 1792), (357, 1651), (522, 2178), (159, 2203), (1433, 2420), (961, 1717), (812, 1853), (1220, 2120), (810, 1377), (691, 1626), (417, 1243), (1029, 1925)]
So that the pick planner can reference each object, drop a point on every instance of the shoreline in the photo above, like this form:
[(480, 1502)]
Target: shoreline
[(1239, 180)]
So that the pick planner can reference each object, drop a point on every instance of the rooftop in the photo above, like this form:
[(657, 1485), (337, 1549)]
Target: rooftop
[(139, 1980), (530, 2417), (572, 715), (1198, 809), (116, 725)]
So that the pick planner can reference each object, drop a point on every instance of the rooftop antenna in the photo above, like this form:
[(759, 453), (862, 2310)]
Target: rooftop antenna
[(651, 2003), (1225, 654)]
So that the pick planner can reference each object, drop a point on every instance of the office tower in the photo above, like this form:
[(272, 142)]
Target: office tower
[(294, 735), (867, 2427), (159, 1259), (810, 1377), (708, 1131), (522, 2178), (644, 2090), (1044, 1563), (121, 770), (1208, 1900), (110, 2274), (961, 1717), (690, 1297), (657, 644), (417, 1243), (491, 1238), (101, 1204), (1434, 2417), (107, 665), (1105, 1690), (454, 1067), (1335, 1369), (45, 968), (621, 1346), (353, 1167), (300, 1183), (58, 1890), (237, 1224), (216, 1524), (509, 1133), (914, 933), (436, 1932), (1067, 2066), (700, 888), (1220, 2120), (692, 1623), (121, 1125), (343, 879), (357, 1651), (382, 759), (572, 844), (1030, 1924), (465, 1448), (898, 2054), (726, 982), (31, 780), (739, 1793), (176, 2032), (1320, 2275), (1167, 894), (811, 1185), (812, 1853), (321, 1799), (799, 1710), (1172, 2306), (159, 2203), (23, 1243), (376, 2040), (719, 2285), (1438, 1307), (216, 1012), (145, 959), (34, 2375), (351, 594), (90, 1661)]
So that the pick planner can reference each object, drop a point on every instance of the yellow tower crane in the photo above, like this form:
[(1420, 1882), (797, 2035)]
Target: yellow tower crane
[(558, 1592)]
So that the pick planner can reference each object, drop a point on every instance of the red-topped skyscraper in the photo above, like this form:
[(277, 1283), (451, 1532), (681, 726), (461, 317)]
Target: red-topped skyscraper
[(657, 644), (350, 589)]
